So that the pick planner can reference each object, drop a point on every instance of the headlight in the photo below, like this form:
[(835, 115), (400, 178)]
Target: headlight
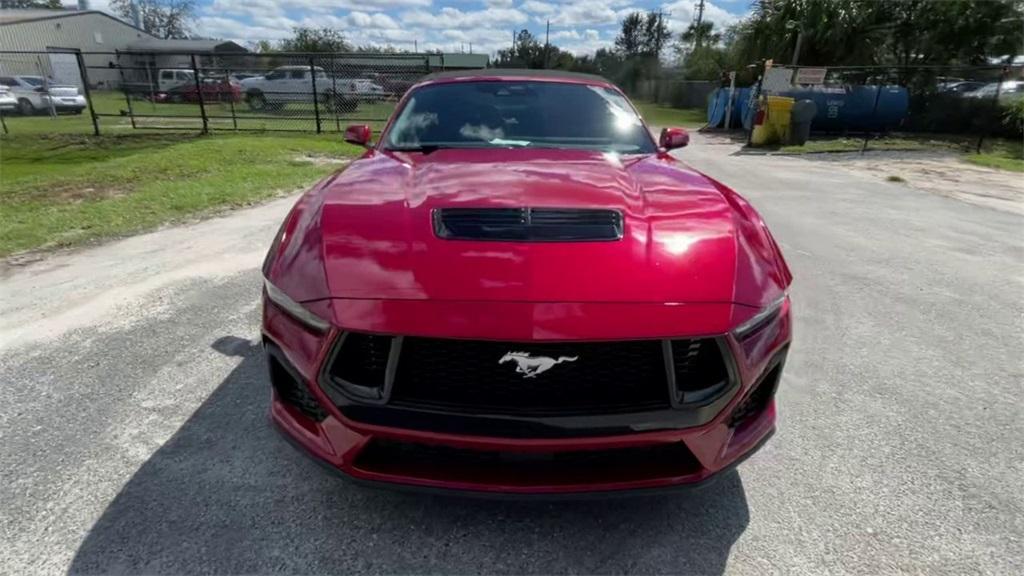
[(766, 315), (294, 309)]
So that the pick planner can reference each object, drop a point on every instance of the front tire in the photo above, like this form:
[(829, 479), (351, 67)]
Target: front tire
[(256, 101), (25, 107)]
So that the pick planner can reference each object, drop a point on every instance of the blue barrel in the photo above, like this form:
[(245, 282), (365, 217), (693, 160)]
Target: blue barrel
[(718, 105), (853, 107)]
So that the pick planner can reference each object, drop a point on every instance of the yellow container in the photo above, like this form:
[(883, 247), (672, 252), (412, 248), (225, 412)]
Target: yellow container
[(777, 119), (760, 135)]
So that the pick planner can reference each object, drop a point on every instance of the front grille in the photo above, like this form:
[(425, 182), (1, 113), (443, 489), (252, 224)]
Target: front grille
[(362, 359), (591, 377), (528, 224), (431, 462), (700, 372)]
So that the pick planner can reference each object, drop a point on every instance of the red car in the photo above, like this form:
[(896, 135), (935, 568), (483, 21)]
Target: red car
[(213, 91), (517, 290)]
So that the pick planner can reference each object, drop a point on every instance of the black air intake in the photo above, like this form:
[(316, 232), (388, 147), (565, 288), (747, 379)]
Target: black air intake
[(528, 224)]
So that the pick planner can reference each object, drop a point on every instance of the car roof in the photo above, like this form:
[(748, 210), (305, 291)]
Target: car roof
[(515, 74)]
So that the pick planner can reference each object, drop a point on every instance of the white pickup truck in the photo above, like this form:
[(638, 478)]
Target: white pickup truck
[(295, 84)]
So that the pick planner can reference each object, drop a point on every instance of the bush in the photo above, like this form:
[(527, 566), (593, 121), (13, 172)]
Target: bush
[(946, 113), (1013, 117)]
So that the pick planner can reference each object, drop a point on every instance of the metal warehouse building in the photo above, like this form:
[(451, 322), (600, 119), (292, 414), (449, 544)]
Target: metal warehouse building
[(58, 34)]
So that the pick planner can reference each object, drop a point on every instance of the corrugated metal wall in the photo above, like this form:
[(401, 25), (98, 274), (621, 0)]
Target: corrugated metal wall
[(85, 32)]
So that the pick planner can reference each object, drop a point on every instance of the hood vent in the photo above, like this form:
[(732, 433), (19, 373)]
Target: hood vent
[(528, 224)]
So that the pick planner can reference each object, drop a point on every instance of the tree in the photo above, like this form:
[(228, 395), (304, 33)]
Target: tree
[(161, 18), (700, 34), (315, 40), (630, 41), (655, 34), (34, 4), (868, 32)]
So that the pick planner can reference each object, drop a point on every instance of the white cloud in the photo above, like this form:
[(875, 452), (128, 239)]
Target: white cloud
[(231, 29), (375, 20), (537, 7), (682, 13), (449, 17), (498, 3), (588, 12)]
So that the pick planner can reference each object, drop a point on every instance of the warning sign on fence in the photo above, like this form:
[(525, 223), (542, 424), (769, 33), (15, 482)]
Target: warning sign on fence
[(810, 76)]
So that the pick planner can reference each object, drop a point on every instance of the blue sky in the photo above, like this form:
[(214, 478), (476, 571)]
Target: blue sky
[(581, 26)]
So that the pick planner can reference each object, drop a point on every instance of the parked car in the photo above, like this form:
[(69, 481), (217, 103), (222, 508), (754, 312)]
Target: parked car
[(1010, 90), (38, 94), (213, 90), (8, 103), (961, 87), (518, 290), (367, 91), (295, 84)]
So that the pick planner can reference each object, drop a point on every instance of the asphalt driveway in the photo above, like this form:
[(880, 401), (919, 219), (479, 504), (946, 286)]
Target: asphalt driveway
[(134, 435)]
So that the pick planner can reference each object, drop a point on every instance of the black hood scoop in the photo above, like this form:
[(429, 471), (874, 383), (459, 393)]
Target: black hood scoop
[(528, 224)]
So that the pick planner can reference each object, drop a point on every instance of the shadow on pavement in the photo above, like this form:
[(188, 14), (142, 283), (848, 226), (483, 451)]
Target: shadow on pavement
[(226, 495)]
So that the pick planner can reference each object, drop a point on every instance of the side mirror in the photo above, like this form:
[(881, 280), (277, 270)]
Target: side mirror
[(672, 138), (358, 134)]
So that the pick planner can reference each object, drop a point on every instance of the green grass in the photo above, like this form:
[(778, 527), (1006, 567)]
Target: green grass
[(1004, 155), (822, 145), (62, 190), (660, 116), (998, 153)]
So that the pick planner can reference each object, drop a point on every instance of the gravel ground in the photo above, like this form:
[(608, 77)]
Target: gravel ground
[(134, 435)]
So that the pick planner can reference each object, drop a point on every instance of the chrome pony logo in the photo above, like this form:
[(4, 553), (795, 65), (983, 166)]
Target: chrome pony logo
[(531, 366)]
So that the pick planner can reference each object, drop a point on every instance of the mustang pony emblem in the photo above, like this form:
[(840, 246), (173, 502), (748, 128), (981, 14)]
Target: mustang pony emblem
[(530, 366)]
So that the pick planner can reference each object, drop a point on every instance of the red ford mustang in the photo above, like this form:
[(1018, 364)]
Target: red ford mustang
[(516, 290)]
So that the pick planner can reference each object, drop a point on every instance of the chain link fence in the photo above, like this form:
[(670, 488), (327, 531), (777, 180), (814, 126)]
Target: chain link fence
[(110, 92)]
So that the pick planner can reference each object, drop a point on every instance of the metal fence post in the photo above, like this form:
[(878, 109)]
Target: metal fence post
[(316, 95), (127, 95), (231, 98), (3, 123), (874, 112), (199, 92), (995, 109), (84, 75), (334, 91)]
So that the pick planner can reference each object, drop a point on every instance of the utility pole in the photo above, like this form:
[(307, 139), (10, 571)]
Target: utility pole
[(547, 35), (796, 50), (415, 45), (700, 18)]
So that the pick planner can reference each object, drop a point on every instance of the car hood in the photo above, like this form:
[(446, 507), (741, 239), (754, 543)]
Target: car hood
[(684, 237)]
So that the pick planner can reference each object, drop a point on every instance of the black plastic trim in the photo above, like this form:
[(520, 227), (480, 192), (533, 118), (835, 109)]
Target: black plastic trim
[(518, 496), (519, 225), (367, 394), (274, 353)]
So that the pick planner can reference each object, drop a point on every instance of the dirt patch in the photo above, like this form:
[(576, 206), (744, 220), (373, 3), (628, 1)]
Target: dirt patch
[(943, 173)]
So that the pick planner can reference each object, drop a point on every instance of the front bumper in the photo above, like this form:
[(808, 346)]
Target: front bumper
[(63, 103), (476, 461)]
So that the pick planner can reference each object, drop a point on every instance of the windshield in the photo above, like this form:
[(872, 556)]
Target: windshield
[(32, 80), (490, 114)]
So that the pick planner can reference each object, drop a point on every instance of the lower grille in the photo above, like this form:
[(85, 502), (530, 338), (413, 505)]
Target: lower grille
[(446, 463), (756, 400), (479, 376), (291, 391)]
